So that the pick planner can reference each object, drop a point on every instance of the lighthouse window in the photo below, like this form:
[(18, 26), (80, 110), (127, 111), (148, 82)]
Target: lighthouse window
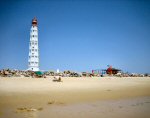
[(32, 49), (33, 35), (32, 56)]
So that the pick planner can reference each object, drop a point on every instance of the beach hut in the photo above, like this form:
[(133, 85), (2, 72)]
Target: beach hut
[(112, 71), (39, 74)]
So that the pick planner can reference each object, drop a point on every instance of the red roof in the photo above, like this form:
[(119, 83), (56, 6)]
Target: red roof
[(34, 21)]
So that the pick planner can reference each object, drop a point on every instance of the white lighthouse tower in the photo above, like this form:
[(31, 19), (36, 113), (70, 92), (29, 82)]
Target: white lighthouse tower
[(33, 59)]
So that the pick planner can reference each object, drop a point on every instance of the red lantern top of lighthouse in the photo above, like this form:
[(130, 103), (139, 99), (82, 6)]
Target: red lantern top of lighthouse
[(34, 21)]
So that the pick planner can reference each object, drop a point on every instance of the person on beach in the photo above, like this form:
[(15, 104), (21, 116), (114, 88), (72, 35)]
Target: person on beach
[(57, 79)]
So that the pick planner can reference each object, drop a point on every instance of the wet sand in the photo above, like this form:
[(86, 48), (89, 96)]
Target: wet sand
[(75, 97)]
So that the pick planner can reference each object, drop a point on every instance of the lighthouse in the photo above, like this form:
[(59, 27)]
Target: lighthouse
[(33, 59)]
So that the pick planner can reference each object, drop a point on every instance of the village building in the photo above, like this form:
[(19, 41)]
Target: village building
[(112, 71)]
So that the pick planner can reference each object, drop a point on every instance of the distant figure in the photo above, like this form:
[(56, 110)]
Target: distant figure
[(32, 74), (57, 79)]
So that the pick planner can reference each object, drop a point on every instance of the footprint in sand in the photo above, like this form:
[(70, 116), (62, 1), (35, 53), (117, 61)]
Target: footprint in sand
[(120, 107), (24, 109), (55, 102)]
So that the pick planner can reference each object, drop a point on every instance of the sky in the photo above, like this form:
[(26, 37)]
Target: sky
[(77, 35)]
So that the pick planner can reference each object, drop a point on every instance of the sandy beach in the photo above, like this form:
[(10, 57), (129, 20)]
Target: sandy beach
[(75, 97)]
